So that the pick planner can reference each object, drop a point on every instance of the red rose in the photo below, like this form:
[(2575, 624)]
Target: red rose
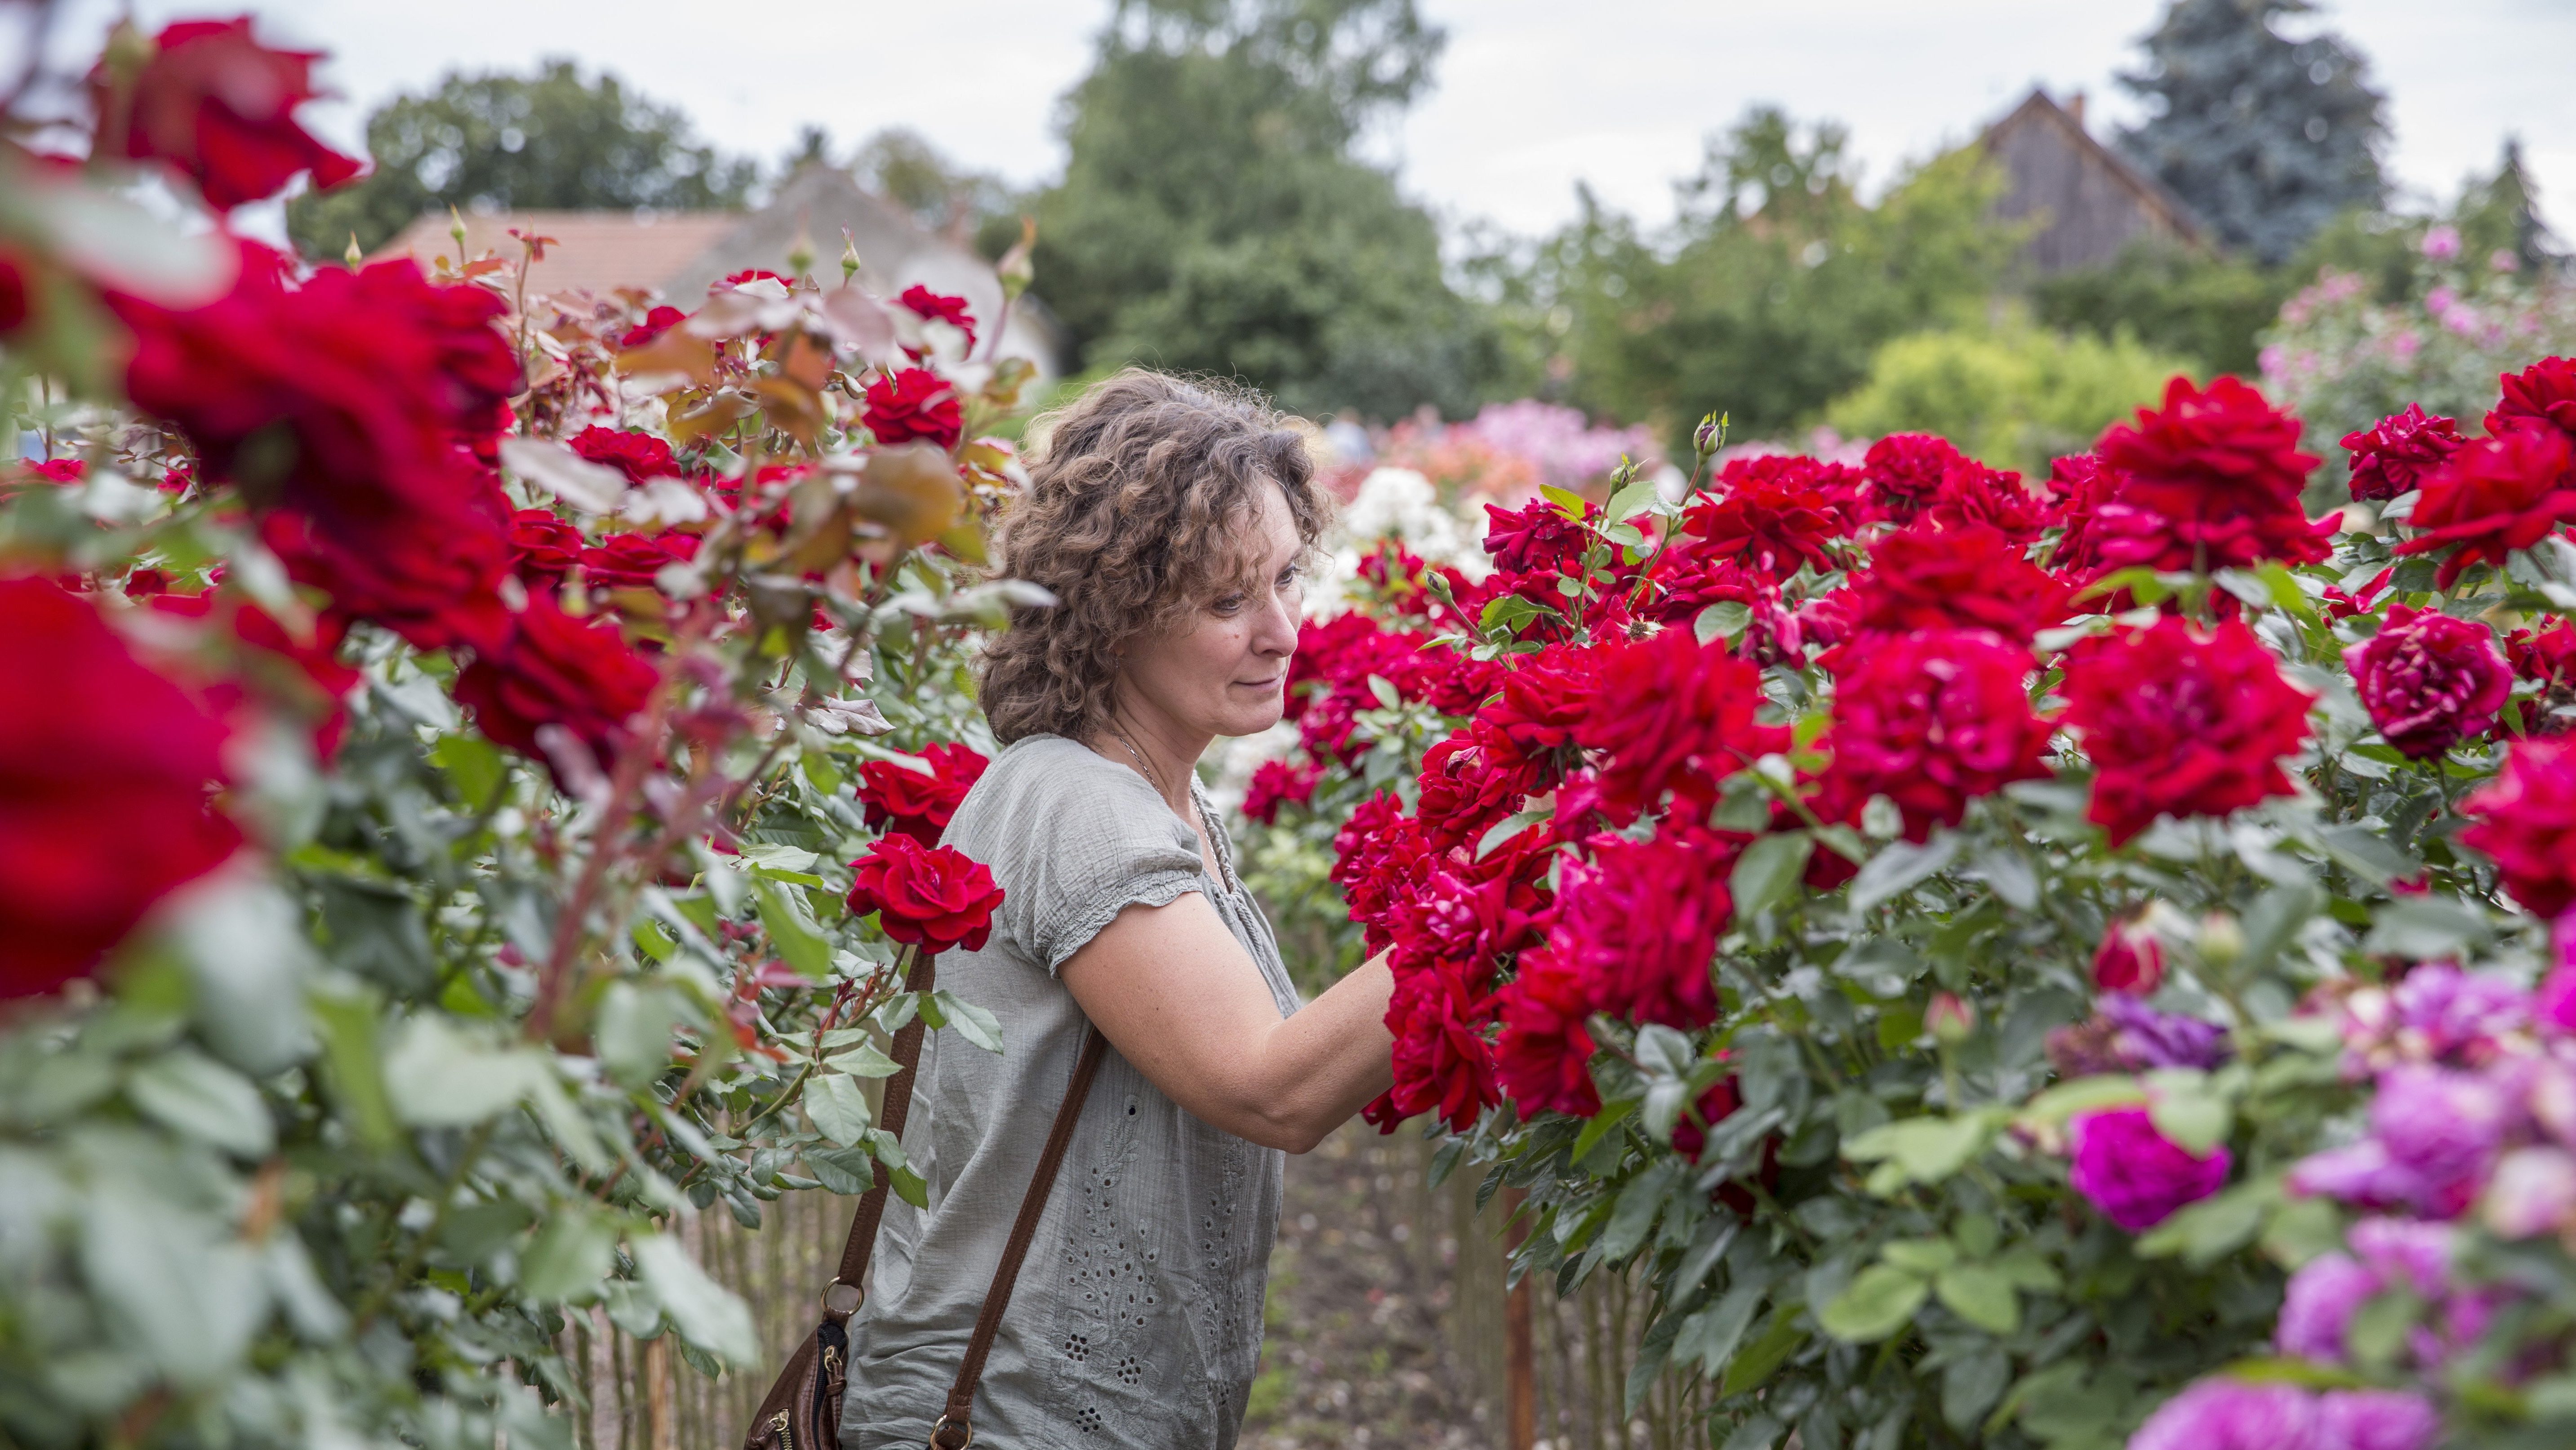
[(930, 306), (1642, 923), (2391, 456), (928, 897), (1545, 698), (106, 769), (1469, 782), (752, 274), (341, 410), (2130, 959), (1687, 581), (1932, 720), (1542, 1055), (637, 455), (630, 561), (13, 293), (2181, 723), (1971, 495), (1277, 783), (543, 546), (1377, 855), (2209, 481), (577, 674), (914, 403), (2526, 820), (1926, 577), (2494, 496), (60, 472), (2543, 392), (919, 803), (656, 322), (306, 673), (2549, 657), (1905, 471), (1673, 714), (2209, 453), (1442, 1064), (1535, 538), (220, 108), (2429, 681), (1769, 523)]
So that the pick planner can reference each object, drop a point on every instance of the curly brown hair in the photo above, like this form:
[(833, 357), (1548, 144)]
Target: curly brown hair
[(1132, 518)]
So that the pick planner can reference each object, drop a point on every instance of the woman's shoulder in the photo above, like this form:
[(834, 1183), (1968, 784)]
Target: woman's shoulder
[(1043, 786)]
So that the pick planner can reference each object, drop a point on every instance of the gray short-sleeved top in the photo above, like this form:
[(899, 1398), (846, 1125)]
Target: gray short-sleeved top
[(1137, 1318)]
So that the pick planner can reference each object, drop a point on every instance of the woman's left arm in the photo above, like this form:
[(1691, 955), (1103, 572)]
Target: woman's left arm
[(1178, 996)]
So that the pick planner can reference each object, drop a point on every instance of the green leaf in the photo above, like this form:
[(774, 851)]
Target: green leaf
[(2188, 1110), (1709, 1337), (438, 1077), (2011, 875), (1880, 1301), (704, 1312), (354, 1066), (844, 1171), (909, 1187), (1921, 1256), (1769, 870), (474, 765), (1981, 1294), (1725, 619), (1504, 830), (1770, 1349), (1570, 502), (197, 1097), (575, 1250), (1639, 1203), (972, 1022), (2377, 1330), (2367, 854), (801, 944), (2302, 1230), (838, 1107), (1900, 866), (1925, 1150), (1631, 501), (2085, 1094), (2207, 1231), (632, 1034), (1610, 1116), (2426, 928), (863, 1060)]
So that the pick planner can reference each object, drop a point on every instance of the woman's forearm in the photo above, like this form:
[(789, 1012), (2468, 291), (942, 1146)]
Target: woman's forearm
[(1321, 1063), (1175, 993)]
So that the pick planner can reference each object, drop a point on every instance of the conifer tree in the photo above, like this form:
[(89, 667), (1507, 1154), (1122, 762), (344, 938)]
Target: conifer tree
[(2266, 137)]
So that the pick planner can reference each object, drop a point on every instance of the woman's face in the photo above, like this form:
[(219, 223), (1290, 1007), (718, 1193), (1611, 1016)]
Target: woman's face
[(1221, 671)]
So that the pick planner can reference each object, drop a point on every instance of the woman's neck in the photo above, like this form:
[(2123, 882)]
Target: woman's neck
[(1165, 752)]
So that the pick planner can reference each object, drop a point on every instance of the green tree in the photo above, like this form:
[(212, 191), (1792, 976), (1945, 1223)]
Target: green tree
[(1776, 285), (1214, 215), (2179, 300), (554, 140), (2013, 395), (2266, 137)]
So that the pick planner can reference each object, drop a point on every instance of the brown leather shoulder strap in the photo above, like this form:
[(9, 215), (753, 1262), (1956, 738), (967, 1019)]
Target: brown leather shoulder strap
[(896, 1112), (956, 1428)]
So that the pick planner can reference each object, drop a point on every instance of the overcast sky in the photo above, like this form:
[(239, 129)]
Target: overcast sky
[(1532, 96)]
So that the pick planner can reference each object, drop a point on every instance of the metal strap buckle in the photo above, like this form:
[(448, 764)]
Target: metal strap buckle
[(945, 1423)]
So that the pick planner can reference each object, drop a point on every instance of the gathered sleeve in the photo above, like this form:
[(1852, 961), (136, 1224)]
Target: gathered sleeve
[(1079, 841)]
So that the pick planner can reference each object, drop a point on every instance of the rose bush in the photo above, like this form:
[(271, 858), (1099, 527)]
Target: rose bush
[(438, 716), (2004, 965)]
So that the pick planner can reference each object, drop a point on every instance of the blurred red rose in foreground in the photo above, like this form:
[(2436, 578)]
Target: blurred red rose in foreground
[(218, 106), (106, 770)]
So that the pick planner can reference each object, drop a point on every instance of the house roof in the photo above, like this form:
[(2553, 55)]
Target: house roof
[(594, 251), (2151, 195), (678, 254)]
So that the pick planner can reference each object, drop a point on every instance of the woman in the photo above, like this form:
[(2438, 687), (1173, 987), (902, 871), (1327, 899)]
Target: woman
[(1171, 519)]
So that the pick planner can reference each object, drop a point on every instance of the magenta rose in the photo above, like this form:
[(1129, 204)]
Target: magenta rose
[(2135, 1175), (2430, 681)]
